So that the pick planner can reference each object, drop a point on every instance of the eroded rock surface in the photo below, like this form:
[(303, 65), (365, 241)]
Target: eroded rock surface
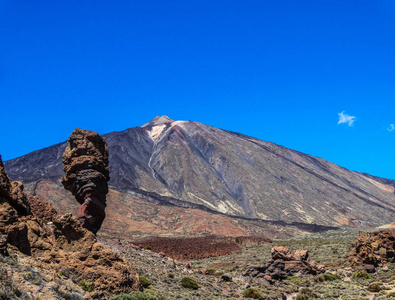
[(373, 249), (283, 264), (32, 231), (86, 166)]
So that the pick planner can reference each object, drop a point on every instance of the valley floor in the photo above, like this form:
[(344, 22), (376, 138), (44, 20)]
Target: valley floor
[(330, 248), (162, 275)]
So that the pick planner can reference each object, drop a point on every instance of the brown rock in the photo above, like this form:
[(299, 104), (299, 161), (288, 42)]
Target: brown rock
[(284, 264), (31, 227), (86, 166), (279, 252), (12, 192), (302, 255), (373, 248)]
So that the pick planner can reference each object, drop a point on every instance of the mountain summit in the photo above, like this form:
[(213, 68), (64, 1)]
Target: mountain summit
[(192, 164), (158, 121)]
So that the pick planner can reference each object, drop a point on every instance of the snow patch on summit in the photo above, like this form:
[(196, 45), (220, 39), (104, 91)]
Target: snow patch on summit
[(156, 131)]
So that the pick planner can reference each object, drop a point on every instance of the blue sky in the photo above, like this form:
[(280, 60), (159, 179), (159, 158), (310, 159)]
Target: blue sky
[(281, 71)]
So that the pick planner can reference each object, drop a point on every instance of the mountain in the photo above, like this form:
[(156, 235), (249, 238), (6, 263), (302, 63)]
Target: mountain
[(192, 165)]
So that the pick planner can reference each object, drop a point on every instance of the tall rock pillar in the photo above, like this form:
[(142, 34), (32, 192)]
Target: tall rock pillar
[(86, 166)]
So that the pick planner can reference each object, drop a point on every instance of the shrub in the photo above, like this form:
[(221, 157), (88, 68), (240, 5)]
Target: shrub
[(330, 277), (190, 283), (87, 285), (144, 282), (306, 293), (392, 295), (170, 275), (148, 247), (134, 296), (210, 271), (374, 288), (362, 275), (252, 292)]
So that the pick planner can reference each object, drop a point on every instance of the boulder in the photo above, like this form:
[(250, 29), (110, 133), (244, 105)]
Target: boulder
[(372, 249), (284, 264)]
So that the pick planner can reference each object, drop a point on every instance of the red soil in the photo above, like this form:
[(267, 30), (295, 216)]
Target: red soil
[(191, 247)]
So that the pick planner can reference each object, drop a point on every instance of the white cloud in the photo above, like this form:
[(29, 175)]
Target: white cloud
[(346, 119), (391, 127)]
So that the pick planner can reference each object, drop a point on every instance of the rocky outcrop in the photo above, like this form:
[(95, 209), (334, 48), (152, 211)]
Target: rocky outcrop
[(372, 249), (284, 264), (32, 231), (86, 166)]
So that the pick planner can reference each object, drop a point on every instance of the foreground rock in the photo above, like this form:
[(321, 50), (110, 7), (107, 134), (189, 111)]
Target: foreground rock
[(372, 249), (32, 232), (86, 166), (284, 264)]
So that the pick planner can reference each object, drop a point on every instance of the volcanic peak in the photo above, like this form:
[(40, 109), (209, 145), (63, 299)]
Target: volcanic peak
[(158, 121), (159, 126)]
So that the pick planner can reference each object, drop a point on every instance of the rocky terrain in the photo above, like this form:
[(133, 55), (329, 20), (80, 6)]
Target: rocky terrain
[(132, 217), (39, 246), (241, 275), (189, 164), (162, 246)]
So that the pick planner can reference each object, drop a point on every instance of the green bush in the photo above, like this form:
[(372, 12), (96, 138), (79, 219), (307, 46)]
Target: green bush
[(392, 295), (170, 275), (148, 247), (190, 283), (330, 277), (363, 275), (302, 297), (87, 285), (144, 282), (134, 296), (252, 292)]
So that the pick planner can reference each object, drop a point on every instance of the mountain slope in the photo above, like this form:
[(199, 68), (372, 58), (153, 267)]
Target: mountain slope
[(229, 173)]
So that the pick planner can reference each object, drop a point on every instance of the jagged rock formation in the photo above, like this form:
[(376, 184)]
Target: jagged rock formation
[(373, 249), (86, 166), (284, 264), (193, 164), (31, 230)]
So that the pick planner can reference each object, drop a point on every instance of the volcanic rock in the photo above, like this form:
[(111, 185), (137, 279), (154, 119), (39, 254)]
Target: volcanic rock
[(284, 264), (86, 166), (31, 230), (373, 249), (199, 166)]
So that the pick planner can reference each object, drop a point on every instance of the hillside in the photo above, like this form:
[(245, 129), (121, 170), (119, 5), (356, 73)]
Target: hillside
[(194, 165)]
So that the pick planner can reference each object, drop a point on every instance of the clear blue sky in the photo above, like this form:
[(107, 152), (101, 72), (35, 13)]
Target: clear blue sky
[(281, 71)]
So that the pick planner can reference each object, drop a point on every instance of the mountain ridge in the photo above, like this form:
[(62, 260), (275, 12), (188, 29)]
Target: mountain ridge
[(229, 172)]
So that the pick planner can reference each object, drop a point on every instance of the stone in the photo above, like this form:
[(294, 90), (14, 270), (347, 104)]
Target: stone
[(279, 252), (284, 264), (33, 231), (372, 249), (302, 255), (85, 162)]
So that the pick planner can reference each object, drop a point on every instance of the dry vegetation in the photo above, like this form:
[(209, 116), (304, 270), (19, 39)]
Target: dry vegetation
[(187, 248), (330, 248)]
